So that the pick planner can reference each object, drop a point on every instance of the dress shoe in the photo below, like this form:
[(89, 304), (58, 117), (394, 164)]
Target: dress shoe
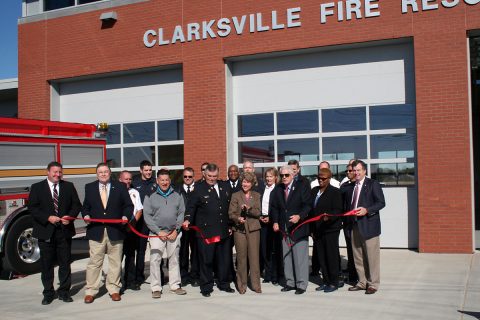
[(156, 294), (47, 300), (123, 289), (275, 283), (206, 294), (330, 288), (320, 288), (65, 298), (299, 291), (242, 291), (88, 299), (228, 289), (258, 290), (265, 281), (287, 288), (356, 288), (115, 297), (341, 284), (370, 290), (179, 291)]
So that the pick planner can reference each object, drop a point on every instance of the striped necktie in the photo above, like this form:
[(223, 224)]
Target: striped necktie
[(55, 198)]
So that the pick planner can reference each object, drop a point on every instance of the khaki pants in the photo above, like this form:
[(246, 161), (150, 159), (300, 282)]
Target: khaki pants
[(114, 250), (247, 246), (366, 254), (157, 249)]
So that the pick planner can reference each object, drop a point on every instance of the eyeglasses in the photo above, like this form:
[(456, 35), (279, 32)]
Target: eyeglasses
[(286, 175), (348, 170), (188, 177), (322, 178)]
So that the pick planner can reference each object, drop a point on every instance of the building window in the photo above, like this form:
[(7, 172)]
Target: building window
[(59, 4), (160, 142), (383, 136)]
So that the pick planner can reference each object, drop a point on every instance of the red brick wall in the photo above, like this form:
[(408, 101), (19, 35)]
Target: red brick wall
[(77, 45)]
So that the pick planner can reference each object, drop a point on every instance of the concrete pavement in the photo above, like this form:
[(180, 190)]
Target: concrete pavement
[(413, 286)]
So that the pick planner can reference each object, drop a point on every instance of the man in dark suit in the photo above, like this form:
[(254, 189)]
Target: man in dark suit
[(248, 166), (188, 246), (50, 202), (290, 204), (105, 199), (208, 209), (327, 199), (367, 197), (233, 181)]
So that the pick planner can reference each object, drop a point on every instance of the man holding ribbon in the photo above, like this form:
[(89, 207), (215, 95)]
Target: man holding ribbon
[(208, 210), (290, 203), (163, 212), (368, 199), (50, 202), (105, 200)]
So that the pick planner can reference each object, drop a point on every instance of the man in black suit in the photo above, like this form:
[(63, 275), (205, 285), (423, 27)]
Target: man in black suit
[(248, 166), (367, 197), (208, 209), (188, 246), (290, 204), (327, 199), (105, 199), (233, 181), (297, 176), (50, 202)]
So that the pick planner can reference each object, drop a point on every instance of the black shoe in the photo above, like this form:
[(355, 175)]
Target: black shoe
[(320, 288), (136, 286), (275, 283), (47, 300), (206, 294), (265, 281), (287, 288), (341, 284), (228, 289), (299, 291), (123, 289), (65, 298)]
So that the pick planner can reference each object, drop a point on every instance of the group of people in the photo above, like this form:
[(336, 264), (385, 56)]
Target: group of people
[(195, 226)]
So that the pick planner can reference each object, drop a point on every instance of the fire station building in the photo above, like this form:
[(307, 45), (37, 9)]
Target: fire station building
[(393, 82)]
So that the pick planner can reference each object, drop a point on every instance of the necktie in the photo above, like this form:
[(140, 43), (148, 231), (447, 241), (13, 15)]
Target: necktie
[(316, 199), (355, 196), (233, 185), (287, 190), (55, 198), (103, 195), (215, 191), (188, 189)]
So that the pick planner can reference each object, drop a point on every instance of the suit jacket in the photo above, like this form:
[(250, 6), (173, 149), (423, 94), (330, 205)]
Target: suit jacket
[(371, 197), (238, 186), (298, 202), (119, 204), (40, 205), (329, 202), (346, 189), (253, 215), (208, 211), (186, 196)]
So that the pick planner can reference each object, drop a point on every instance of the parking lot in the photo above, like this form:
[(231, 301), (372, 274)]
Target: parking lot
[(413, 286)]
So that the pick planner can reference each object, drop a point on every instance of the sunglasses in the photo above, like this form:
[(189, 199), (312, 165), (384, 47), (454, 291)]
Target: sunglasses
[(348, 170), (286, 175), (188, 177)]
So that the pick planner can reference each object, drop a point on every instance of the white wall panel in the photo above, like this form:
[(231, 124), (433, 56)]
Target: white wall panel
[(372, 75), (126, 98)]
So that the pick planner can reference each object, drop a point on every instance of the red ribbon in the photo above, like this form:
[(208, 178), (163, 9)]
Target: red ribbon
[(119, 221), (290, 236), (138, 233)]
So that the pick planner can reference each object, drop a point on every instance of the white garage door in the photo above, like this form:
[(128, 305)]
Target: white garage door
[(333, 105)]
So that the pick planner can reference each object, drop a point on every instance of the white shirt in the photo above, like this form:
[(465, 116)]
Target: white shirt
[(186, 188), (358, 185), (137, 203), (266, 199), (50, 185), (333, 182)]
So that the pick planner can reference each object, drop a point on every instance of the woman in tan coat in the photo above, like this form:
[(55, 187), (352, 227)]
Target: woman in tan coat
[(245, 211)]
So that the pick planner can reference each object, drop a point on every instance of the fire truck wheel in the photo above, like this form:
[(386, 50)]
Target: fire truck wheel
[(22, 254)]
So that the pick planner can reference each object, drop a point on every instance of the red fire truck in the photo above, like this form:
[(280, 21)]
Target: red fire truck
[(26, 147)]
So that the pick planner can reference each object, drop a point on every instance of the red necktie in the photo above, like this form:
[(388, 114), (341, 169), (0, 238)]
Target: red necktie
[(355, 196)]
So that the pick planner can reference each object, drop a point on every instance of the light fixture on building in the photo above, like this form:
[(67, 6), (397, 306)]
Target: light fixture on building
[(110, 16)]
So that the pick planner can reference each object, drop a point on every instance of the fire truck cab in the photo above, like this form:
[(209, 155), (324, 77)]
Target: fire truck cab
[(26, 147)]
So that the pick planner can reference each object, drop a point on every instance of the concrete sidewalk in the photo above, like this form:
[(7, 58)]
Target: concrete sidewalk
[(414, 286)]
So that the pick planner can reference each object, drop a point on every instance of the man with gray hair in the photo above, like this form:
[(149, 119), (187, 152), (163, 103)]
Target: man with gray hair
[(248, 166), (290, 204)]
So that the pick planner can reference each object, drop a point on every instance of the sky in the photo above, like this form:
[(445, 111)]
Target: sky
[(10, 11)]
